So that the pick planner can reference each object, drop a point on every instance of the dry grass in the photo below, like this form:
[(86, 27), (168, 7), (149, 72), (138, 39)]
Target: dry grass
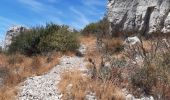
[(76, 86), (114, 45), (151, 73), (16, 68), (92, 51), (23, 66), (7, 93), (78, 89), (87, 40), (3, 59), (149, 52)]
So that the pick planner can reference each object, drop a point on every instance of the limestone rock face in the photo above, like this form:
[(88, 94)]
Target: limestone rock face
[(11, 33), (139, 16)]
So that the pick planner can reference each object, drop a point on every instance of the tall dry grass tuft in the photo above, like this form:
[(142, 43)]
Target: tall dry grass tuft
[(74, 85)]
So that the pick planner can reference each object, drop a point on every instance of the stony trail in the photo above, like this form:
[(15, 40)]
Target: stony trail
[(44, 87)]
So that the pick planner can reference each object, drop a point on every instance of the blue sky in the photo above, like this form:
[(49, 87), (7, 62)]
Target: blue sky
[(76, 13)]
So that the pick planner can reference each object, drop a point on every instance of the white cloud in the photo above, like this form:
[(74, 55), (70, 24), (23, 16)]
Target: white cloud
[(33, 4), (53, 1), (94, 2), (92, 7), (81, 18), (47, 11), (81, 14), (5, 22), (40, 7)]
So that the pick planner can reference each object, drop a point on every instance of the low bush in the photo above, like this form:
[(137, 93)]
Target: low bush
[(41, 39), (60, 40), (145, 78)]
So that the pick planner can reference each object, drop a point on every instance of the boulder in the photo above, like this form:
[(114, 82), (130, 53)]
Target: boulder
[(139, 16)]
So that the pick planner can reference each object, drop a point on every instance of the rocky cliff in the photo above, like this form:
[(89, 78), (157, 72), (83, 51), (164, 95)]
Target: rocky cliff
[(139, 16), (12, 32)]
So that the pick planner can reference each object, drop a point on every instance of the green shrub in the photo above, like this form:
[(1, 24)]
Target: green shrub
[(90, 29), (27, 41), (145, 78), (61, 40), (99, 28), (44, 39)]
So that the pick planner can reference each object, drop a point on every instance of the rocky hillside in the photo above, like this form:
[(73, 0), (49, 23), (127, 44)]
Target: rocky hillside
[(139, 16)]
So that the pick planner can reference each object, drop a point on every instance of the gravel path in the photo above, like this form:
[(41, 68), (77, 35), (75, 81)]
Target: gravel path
[(45, 87)]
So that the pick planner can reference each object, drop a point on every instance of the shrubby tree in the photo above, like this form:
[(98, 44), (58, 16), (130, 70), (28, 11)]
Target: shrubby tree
[(42, 39), (60, 40)]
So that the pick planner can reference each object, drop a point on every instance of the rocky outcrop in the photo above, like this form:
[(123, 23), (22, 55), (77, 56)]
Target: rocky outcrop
[(139, 16), (11, 33)]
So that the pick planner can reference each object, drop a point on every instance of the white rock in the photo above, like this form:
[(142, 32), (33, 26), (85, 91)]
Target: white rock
[(166, 28), (82, 49), (132, 40), (142, 16), (129, 97)]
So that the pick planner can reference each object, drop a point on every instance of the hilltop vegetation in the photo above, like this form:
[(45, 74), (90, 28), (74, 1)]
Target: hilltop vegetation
[(97, 28), (41, 39)]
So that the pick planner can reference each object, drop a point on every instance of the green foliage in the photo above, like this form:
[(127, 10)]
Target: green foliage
[(144, 78), (98, 28), (27, 41), (41, 39), (61, 40), (105, 73), (90, 29)]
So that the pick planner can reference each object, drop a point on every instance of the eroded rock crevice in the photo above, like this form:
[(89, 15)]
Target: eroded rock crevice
[(147, 20)]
